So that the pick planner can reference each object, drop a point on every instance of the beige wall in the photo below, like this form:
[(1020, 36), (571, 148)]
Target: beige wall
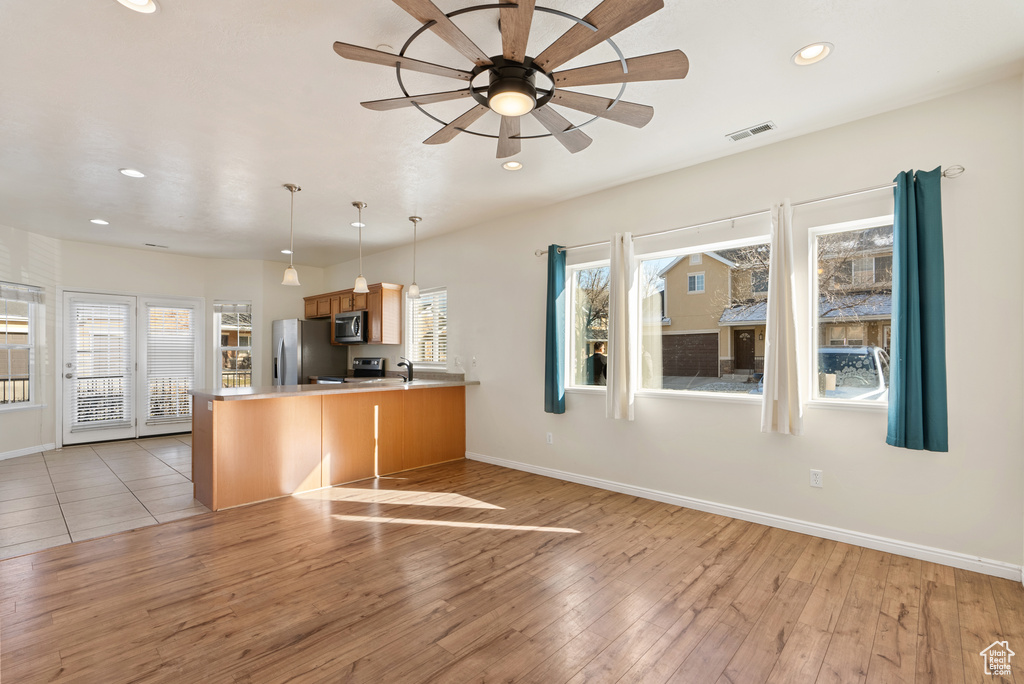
[(968, 500), (58, 266)]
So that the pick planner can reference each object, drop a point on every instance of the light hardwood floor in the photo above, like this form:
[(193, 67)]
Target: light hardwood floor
[(468, 572)]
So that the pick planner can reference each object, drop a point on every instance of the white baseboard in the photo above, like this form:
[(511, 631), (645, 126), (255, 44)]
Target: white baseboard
[(28, 451), (957, 560)]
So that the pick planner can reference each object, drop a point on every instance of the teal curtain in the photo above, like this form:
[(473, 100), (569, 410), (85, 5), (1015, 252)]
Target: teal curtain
[(917, 384), (554, 347)]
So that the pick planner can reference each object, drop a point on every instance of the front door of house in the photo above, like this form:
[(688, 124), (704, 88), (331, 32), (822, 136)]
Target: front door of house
[(743, 343)]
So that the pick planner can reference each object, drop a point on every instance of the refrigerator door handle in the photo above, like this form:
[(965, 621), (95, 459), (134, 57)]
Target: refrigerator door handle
[(280, 355)]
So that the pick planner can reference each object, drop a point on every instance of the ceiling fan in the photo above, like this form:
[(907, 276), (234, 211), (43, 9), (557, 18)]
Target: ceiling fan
[(512, 88)]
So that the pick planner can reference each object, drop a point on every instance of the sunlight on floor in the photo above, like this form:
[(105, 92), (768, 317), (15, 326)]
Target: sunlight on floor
[(398, 497), (452, 523)]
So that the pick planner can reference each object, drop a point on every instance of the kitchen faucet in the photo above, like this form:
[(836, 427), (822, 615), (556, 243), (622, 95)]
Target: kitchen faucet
[(408, 364)]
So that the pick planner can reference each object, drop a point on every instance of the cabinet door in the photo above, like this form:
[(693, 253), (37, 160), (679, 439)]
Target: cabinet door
[(346, 301), (323, 306), (373, 317), (335, 305), (359, 301), (310, 308)]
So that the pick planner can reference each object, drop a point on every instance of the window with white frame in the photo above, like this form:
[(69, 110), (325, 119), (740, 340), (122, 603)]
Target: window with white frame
[(696, 259), (17, 335), (427, 327), (695, 283), (852, 311), (706, 344), (587, 326), (232, 322)]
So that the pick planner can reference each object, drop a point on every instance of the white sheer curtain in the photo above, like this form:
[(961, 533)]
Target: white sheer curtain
[(782, 408), (622, 329)]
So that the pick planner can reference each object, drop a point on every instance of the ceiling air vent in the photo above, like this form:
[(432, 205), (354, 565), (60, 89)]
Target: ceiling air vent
[(753, 130)]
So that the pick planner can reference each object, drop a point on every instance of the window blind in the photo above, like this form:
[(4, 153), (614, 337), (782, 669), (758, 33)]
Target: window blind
[(101, 394), (232, 307), (428, 327), (21, 293), (170, 363)]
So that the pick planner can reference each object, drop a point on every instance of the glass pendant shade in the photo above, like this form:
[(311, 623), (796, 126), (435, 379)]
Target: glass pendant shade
[(361, 287), (291, 276), (414, 291)]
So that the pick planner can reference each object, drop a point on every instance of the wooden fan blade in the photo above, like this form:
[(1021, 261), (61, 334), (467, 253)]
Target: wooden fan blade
[(657, 67), (448, 133), (558, 126), (399, 102), (426, 11), (610, 17), (509, 143), (361, 54), (629, 113), (515, 28)]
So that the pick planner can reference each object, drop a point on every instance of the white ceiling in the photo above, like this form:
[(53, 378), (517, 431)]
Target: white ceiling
[(220, 102)]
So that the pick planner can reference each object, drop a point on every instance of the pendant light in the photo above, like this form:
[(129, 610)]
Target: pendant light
[(360, 287), (414, 289), (291, 276)]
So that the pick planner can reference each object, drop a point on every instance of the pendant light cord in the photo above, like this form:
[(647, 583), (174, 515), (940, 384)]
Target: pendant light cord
[(360, 241), (291, 239), (414, 224)]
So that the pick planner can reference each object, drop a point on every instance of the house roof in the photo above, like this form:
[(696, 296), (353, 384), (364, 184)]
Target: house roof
[(714, 255), (863, 306)]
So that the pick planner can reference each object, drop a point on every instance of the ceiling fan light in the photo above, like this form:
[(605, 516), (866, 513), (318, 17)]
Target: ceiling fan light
[(513, 95), (360, 287), (291, 276)]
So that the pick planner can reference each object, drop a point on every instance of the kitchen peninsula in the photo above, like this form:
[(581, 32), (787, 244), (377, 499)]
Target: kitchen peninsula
[(255, 443)]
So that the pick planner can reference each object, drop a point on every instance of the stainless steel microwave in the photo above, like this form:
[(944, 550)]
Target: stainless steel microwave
[(350, 327)]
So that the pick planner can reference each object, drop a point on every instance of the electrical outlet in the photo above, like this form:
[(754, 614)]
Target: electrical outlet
[(817, 479), (473, 362), (209, 406), (551, 438)]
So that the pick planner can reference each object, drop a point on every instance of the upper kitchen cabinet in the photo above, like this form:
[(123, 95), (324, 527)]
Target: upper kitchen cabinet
[(383, 306)]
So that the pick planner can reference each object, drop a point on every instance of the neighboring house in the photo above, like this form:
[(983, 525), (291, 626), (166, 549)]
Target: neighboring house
[(714, 304)]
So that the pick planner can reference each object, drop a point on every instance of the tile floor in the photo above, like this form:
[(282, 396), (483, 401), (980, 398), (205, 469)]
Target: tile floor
[(82, 492)]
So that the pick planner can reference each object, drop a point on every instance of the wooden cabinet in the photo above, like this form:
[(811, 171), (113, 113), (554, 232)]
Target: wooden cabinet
[(256, 449), (383, 306)]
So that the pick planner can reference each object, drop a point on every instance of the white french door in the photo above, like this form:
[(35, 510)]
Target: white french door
[(128, 365)]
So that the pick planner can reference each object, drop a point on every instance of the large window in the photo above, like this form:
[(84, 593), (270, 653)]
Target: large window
[(588, 325), (853, 313), (17, 313), (232, 322), (427, 327), (712, 343)]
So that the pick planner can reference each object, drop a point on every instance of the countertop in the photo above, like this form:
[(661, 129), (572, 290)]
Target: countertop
[(269, 392)]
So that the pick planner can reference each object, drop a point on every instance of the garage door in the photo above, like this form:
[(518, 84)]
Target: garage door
[(690, 355)]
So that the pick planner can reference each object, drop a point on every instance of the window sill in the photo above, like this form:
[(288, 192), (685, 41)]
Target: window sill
[(21, 407), (583, 389), (840, 405), (691, 395)]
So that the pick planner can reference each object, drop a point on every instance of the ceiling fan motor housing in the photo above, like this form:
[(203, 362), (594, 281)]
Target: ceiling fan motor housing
[(512, 90)]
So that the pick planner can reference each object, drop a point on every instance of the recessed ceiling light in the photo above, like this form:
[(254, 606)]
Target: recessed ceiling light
[(512, 165), (133, 173), (357, 224), (99, 222), (286, 251), (144, 6), (813, 53)]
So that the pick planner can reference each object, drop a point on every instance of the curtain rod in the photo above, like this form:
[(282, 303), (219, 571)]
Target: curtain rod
[(951, 172)]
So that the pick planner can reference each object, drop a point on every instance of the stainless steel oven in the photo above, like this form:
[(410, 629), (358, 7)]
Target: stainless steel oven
[(350, 327)]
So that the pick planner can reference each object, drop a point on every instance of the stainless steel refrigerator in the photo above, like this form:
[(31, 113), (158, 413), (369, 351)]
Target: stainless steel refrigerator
[(303, 348)]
